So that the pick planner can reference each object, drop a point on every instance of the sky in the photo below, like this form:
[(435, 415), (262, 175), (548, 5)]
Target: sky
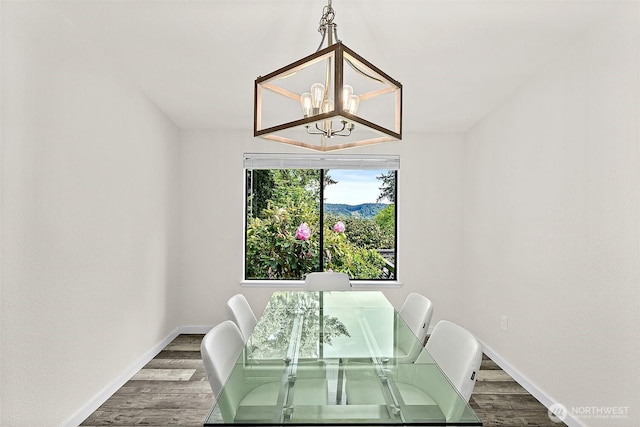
[(354, 187)]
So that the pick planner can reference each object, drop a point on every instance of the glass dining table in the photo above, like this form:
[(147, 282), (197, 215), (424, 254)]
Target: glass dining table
[(337, 358)]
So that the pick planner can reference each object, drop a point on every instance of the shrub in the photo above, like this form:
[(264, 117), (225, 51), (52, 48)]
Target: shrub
[(365, 233), (283, 244), (274, 251)]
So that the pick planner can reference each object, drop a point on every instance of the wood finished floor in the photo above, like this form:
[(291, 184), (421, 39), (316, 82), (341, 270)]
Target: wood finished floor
[(172, 390)]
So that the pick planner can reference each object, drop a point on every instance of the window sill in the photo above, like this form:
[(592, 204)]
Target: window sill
[(299, 284)]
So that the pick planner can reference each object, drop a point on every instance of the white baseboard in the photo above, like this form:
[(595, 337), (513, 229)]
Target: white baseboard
[(194, 329), (528, 385), (94, 403)]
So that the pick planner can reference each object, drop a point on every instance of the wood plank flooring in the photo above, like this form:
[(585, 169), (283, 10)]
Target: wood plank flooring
[(172, 390)]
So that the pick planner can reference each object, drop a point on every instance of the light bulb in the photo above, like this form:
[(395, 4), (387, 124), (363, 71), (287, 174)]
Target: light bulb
[(327, 106), (317, 95), (305, 101), (347, 91), (354, 103)]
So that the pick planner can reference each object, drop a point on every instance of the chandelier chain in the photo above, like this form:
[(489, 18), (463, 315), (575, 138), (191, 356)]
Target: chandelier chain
[(328, 15), (326, 25)]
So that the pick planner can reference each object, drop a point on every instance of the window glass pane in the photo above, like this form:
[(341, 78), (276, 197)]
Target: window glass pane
[(283, 220), (359, 218), (285, 233)]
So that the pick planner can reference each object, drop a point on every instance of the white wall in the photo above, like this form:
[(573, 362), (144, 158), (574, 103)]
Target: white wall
[(551, 224), (429, 209), (97, 269), (88, 175)]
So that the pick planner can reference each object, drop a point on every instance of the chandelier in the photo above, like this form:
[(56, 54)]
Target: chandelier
[(330, 100)]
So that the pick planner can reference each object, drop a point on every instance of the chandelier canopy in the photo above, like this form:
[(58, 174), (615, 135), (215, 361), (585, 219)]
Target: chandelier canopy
[(330, 100)]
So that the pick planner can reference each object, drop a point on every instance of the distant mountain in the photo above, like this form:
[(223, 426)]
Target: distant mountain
[(364, 210)]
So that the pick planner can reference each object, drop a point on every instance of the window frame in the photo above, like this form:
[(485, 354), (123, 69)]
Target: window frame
[(322, 163)]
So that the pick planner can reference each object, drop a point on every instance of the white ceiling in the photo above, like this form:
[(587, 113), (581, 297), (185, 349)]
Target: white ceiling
[(457, 60)]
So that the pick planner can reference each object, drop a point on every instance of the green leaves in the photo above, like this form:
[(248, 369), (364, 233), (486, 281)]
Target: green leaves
[(273, 252), (280, 246)]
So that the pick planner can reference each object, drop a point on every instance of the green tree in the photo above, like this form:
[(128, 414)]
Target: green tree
[(365, 233), (260, 184), (281, 187), (386, 220), (281, 202), (388, 186), (342, 256)]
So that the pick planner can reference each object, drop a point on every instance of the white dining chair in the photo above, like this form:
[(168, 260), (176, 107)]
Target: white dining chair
[(239, 310), (221, 348), (416, 312), (327, 281), (456, 352)]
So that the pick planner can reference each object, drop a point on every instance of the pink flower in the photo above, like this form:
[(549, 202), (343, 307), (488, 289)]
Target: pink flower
[(339, 227), (303, 232)]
